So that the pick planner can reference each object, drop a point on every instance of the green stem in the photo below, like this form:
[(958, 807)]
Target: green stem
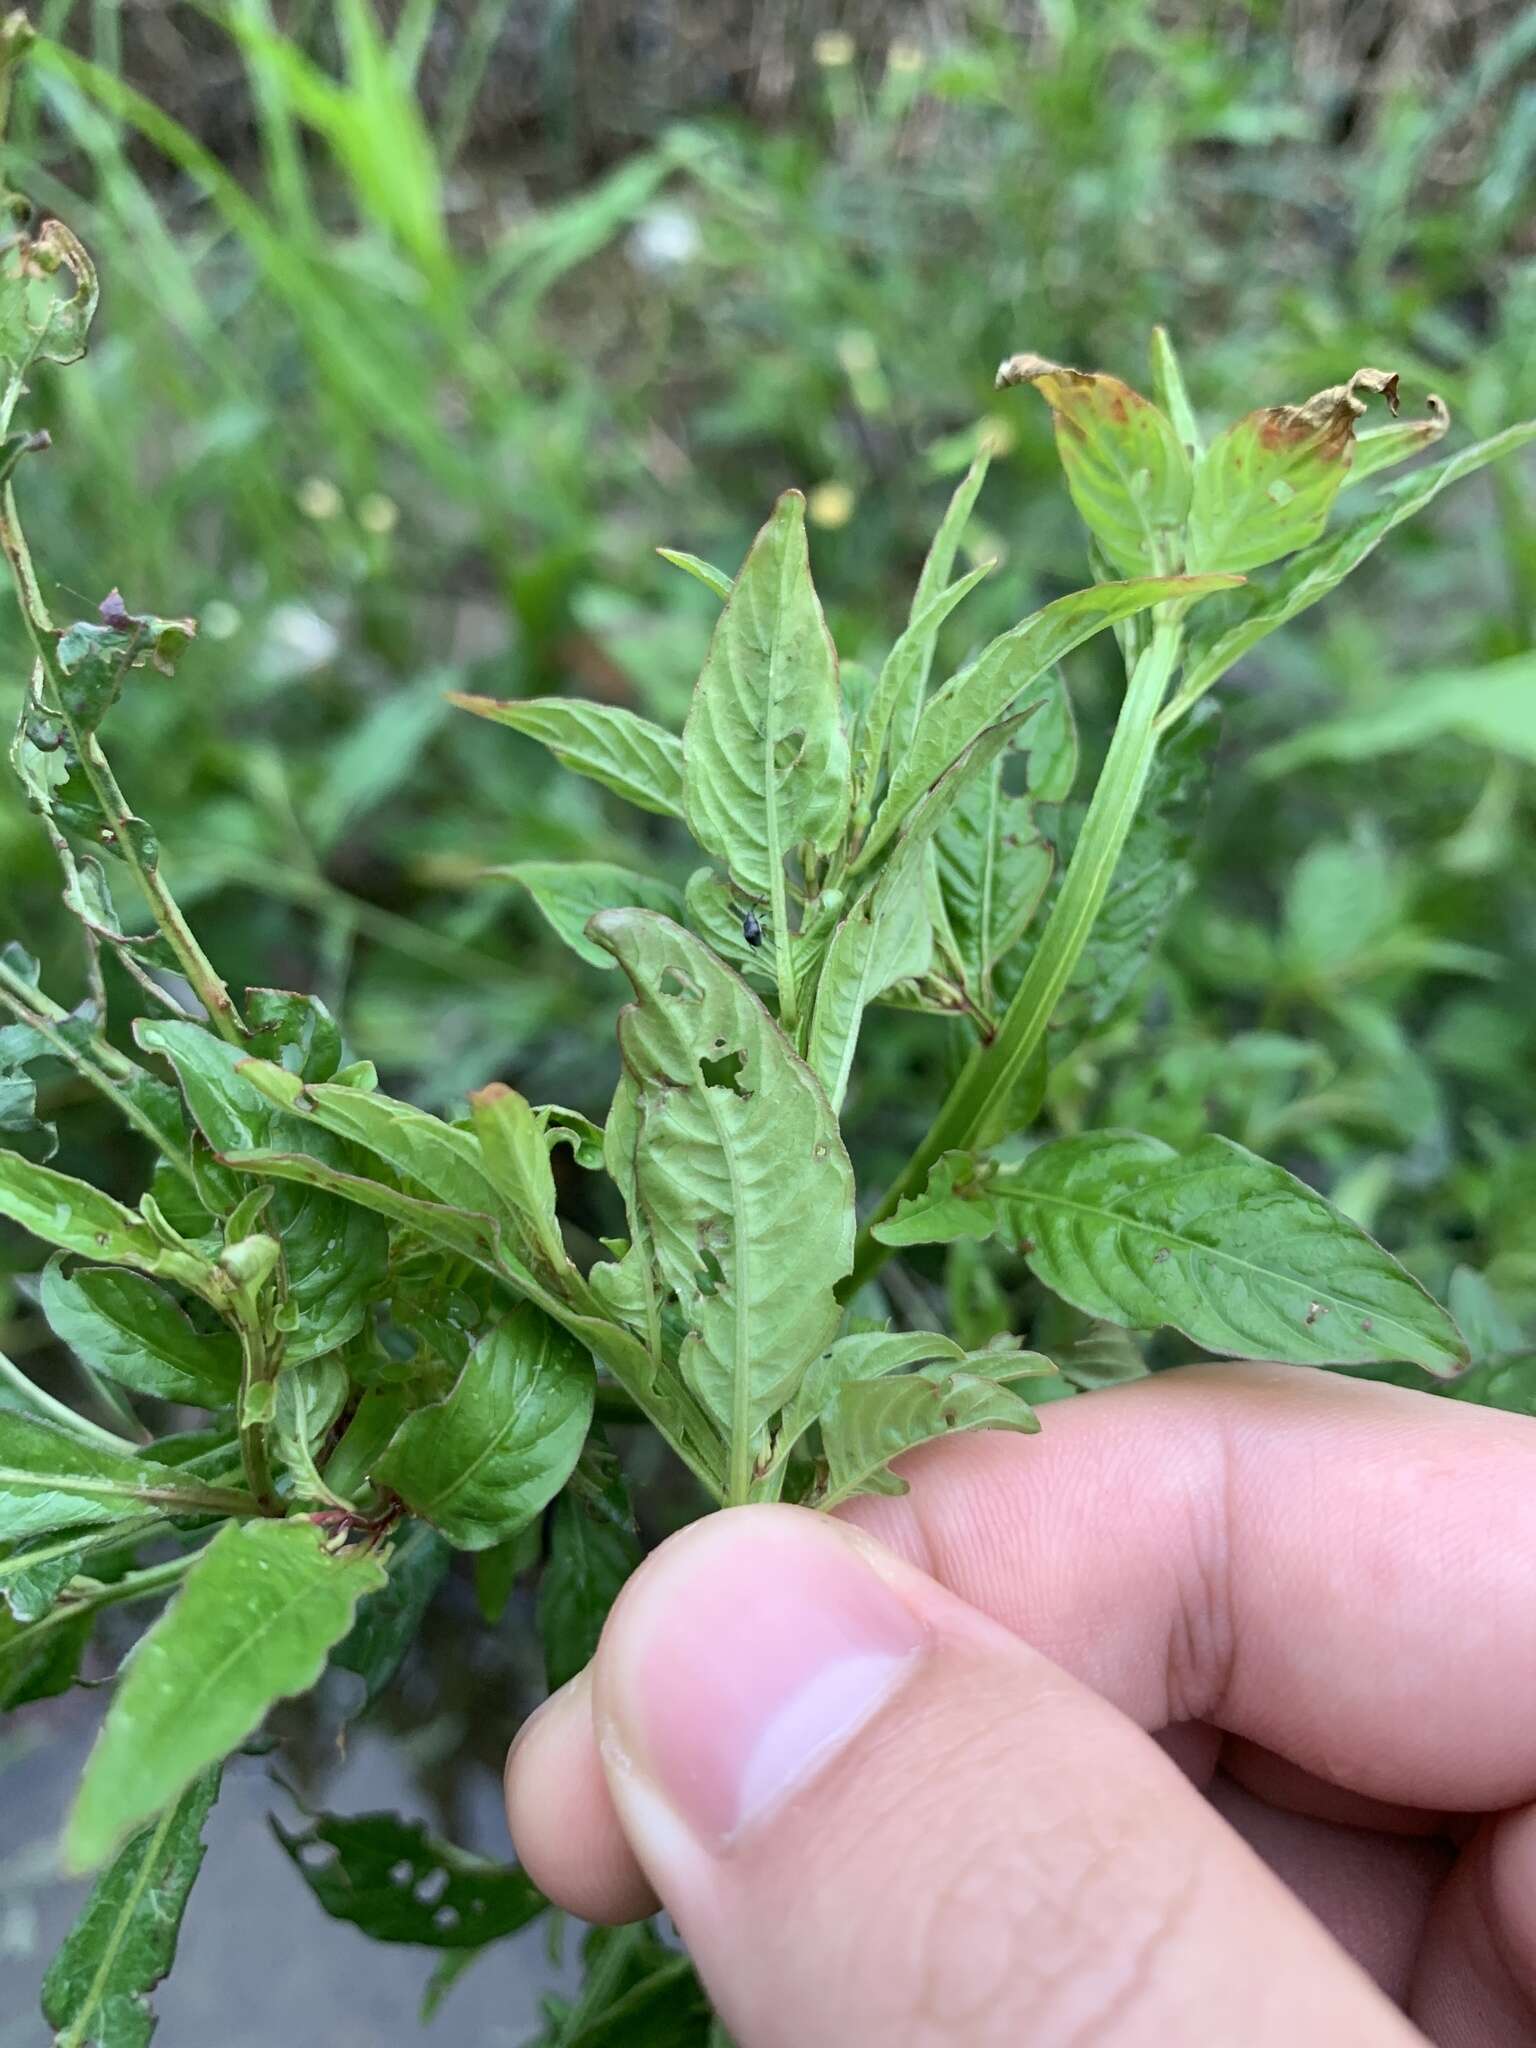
[(173, 926), (994, 1070), (19, 999), (55, 1411), (258, 1368)]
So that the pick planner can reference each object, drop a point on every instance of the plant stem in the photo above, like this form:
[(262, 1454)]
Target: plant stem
[(173, 926), (257, 1368), (21, 1000), (993, 1071), (56, 1411)]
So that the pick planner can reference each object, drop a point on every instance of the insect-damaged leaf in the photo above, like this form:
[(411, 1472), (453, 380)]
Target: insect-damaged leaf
[(124, 1942), (625, 753), (254, 1621), (390, 1877), (481, 1464), (765, 756), (1323, 566), (1264, 487), (990, 685), (956, 1203), (122, 1324), (1241, 1256), (1125, 466), (739, 1181), (568, 892), (870, 1422)]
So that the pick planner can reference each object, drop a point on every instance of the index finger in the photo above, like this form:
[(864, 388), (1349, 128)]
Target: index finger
[(1337, 1570)]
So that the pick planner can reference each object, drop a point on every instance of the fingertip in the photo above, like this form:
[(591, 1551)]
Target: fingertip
[(561, 1815)]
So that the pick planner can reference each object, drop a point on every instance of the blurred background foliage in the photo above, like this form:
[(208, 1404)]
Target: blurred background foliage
[(424, 325)]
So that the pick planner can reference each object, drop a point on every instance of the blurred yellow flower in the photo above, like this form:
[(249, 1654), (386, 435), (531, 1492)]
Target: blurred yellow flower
[(904, 57), (830, 504), (833, 50), (318, 498), (377, 513)]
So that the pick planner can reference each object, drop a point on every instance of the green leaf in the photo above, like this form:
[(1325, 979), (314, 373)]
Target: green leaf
[(741, 1184), (1169, 390), (253, 1623), (1015, 662), (97, 1988), (297, 1031), (765, 756), (1322, 567), (864, 1355), (933, 584), (75, 1216), (123, 1325), (1125, 466), (50, 1478), (32, 1576), (387, 1621), (37, 321), (703, 572), (1242, 1257), (391, 1878), (1156, 866), (897, 699), (483, 1463), (41, 1659), (568, 892), (1052, 748), (1493, 706), (714, 911), (955, 1203), (870, 1422), (993, 866), (593, 1547), (627, 754), (1381, 448), (515, 1151)]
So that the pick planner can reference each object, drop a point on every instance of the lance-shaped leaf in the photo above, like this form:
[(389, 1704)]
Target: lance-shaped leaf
[(515, 1151), (738, 1172), (701, 571), (50, 1478), (1125, 465), (481, 1464), (125, 1326), (765, 756), (593, 1547), (1264, 487), (993, 683), (253, 1623), (870, 1422), (1323, 566), (568, 892), (391, 1878), (897, 699), (1052, 744), (1241, 1256), (124, 1942), (888, 935), (993, 865), (956, 1202), (636, 760), (76, 1217)]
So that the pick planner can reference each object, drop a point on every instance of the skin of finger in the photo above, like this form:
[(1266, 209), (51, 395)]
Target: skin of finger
[(997, 1856), (1475, 1981), (1334, 1569), (1280, 1783), (1373, 1892), (561, 1814)]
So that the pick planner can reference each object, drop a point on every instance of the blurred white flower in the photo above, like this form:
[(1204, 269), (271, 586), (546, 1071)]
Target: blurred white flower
[(664, 238), (318, 498)]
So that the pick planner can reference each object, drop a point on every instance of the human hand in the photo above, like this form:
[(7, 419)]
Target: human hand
[(1133, 1733)]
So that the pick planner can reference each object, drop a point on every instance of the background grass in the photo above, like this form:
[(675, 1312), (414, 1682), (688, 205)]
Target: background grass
[(422, 328)]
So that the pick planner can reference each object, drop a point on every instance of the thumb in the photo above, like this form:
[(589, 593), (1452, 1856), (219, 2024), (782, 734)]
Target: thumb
[(877, 1816)]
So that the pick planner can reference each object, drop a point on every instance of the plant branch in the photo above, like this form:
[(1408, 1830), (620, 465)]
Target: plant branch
[(993, 1071), (45, 1404)]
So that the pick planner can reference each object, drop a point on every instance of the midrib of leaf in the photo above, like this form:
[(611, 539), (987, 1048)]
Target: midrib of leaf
[(776, 883), (493, 1445), (75, 2038), (988, 876), (113, 1489), (1190, 1244), (741, 1274)]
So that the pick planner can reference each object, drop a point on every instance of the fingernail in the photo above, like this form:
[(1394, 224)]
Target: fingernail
[(754, 1651)]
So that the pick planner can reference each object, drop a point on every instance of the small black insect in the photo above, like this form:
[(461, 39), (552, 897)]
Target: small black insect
[(751, 929)]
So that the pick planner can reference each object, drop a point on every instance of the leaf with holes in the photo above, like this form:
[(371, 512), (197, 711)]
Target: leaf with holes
[(253, 1622), (1241, 1256), (396, 1882), (870, 1422), (738, 1175), (481, 1464), (1125, 466), (124, 1941), (635, 759), (765, 756)]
